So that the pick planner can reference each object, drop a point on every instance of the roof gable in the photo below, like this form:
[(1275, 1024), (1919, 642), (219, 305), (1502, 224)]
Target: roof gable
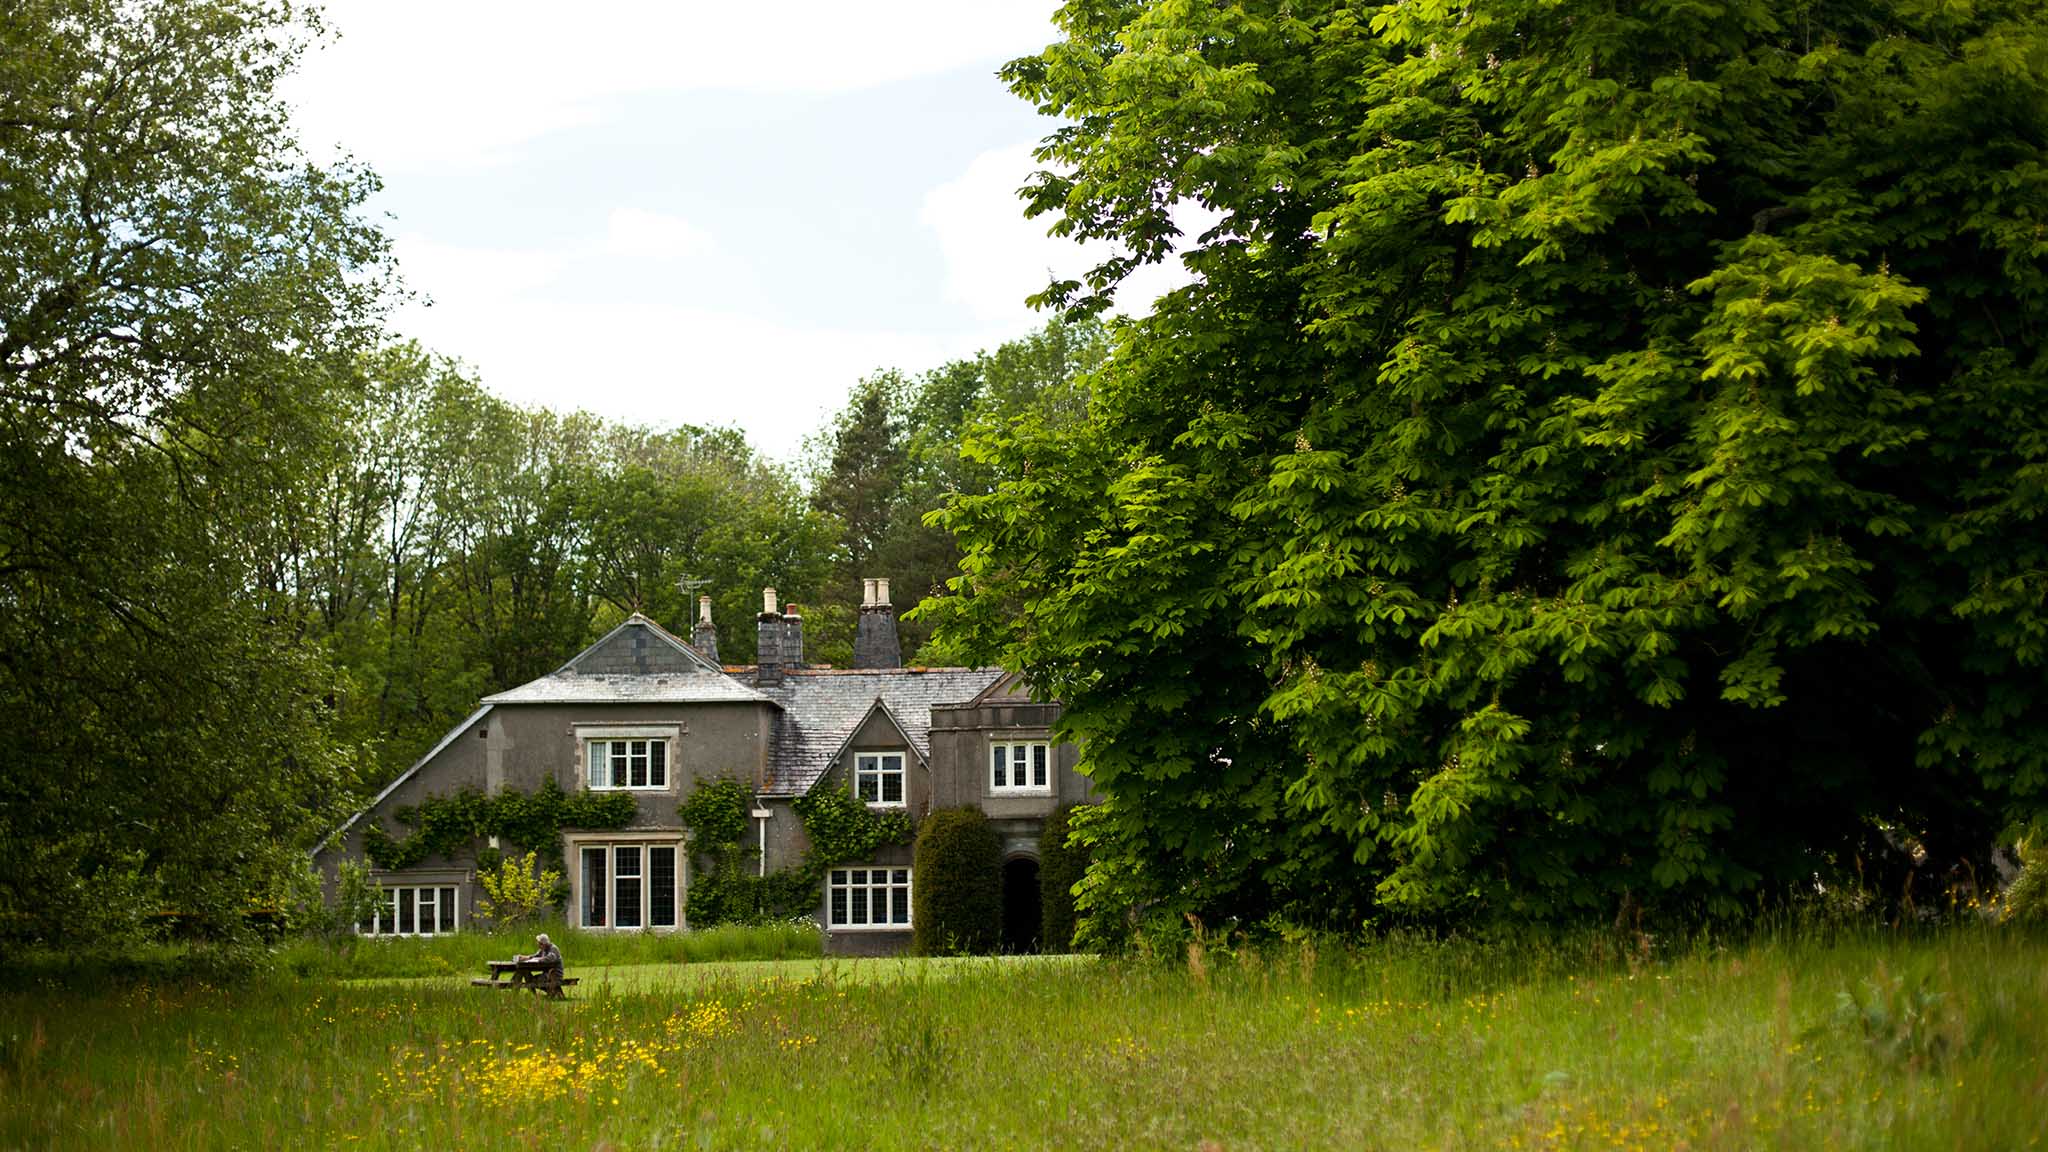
[(821, 710), (638, 647), (639, 662), (1010, 688)]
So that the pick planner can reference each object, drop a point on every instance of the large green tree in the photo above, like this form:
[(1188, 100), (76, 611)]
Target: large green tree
[(181, 299), (1599, 465)]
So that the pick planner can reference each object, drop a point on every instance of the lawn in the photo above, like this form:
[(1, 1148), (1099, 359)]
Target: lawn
[(1864, 1042), (672, 980)]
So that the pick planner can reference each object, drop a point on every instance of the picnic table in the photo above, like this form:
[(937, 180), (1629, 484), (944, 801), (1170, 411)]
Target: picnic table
[(533, 975)]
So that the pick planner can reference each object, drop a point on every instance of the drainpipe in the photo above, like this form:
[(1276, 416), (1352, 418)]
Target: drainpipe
[(762, 814)]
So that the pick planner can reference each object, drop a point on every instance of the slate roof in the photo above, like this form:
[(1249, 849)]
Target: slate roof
[(574, 688), (822, 708), (639, 662)]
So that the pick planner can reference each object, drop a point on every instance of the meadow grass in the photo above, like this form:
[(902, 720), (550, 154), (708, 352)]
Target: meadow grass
[(1856, 1042)]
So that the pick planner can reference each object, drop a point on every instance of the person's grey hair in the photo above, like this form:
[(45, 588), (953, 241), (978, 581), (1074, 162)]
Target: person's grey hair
[(542, 938)]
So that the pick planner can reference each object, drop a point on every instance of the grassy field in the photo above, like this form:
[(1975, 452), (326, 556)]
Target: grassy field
[(1929, 1043)]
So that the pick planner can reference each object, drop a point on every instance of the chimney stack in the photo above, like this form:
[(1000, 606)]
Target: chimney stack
[(704, 637), (875, 644), (792, 637), (768, 641)]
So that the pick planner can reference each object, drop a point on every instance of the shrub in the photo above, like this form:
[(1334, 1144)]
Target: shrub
[(2026, 899), (1060, 866), (356, 896), (958, 893), (518, 891)]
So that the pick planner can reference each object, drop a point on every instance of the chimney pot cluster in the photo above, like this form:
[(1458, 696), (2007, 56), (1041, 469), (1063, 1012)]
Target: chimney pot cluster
[(875, 642), (779, 640)]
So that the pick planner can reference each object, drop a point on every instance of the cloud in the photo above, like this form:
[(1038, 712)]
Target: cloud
[(995, 257), (521, 320), (422, 85), (637, 232)]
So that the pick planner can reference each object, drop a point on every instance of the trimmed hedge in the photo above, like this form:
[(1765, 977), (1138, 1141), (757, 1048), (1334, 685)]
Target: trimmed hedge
[(957, 894), (1060, 866)]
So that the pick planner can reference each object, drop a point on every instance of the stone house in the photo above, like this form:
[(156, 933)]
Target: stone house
[(645, 713)]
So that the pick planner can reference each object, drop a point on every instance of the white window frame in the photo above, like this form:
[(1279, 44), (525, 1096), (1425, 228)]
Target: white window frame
[(1037, 756), (385, 920), (840, 881), (642, 748), (588, 736), (643, 847), (881, 766)]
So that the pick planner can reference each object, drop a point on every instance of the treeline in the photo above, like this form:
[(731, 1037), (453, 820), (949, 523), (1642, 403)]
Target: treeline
[(257, 553), (447, 544)]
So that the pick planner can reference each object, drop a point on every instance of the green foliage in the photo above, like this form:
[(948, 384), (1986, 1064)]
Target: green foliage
[(716, 815), (841, 828), (356, 897), (892, 455), (179, 287), (1595, 473), (1529, 1045), (1905, 1022), (518, 891), (1061, 864), (724, 889), (2025, 900), (447, 825), (957, 899)]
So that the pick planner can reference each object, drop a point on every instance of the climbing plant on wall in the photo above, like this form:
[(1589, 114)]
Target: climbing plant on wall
[(446, 825), (723, 890)]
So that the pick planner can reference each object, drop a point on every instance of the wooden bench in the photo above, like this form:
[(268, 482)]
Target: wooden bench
[(532, 975)]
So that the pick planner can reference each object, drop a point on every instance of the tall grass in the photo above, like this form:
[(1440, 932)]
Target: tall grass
[(1782, 1042)]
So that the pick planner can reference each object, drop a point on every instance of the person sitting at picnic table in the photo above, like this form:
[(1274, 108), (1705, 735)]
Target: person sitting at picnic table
[(547, 953)]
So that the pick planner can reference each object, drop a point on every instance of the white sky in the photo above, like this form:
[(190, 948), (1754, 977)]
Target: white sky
[(722, 214)]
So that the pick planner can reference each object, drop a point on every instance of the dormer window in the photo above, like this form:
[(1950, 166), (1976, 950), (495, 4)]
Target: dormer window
[(878, 779)]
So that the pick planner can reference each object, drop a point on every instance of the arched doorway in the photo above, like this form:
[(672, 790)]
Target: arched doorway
[(1020, 904)]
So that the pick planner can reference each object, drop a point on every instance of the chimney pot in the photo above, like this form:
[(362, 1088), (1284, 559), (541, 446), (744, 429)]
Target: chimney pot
[(704, 637), (767, 601)]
